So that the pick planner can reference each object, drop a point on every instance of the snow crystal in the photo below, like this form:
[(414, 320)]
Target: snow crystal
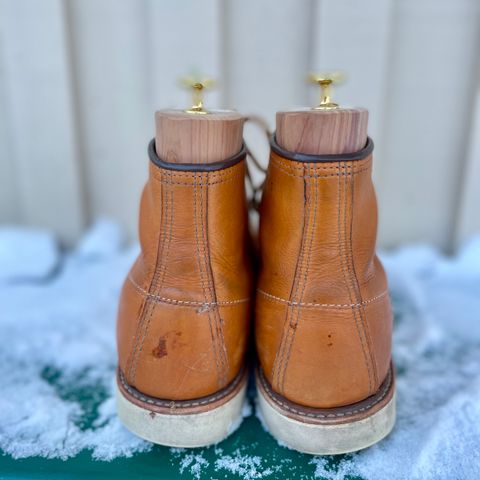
[(194, 463), (325, 470), (58, 357), (246, 466)]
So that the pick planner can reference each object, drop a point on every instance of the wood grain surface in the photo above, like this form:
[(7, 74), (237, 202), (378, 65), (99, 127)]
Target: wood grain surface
[(316, 132), (192, 138)]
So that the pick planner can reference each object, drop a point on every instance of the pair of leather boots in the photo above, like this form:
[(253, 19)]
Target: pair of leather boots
[(319, 298)]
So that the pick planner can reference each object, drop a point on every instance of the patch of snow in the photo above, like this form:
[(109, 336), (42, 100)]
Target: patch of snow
[(326, 471), (58, 358), (194, 463), (437, 355), (246, 412), (27, 254), (57, 334), (247, 467), (103, 241), (247, 408)]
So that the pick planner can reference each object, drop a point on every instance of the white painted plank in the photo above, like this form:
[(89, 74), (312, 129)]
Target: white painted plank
[(126, 57), (41, 116), (267, 55), (469, 205), (128, 67), (184, 37), (354, 37), (434, 55), (9, 211), (110, 55)]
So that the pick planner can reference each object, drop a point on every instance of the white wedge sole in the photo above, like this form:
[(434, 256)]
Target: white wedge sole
[(196, 428), (330, 437)]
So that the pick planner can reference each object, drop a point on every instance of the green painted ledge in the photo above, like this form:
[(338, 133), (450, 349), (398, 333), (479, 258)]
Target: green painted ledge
[(274, 462)]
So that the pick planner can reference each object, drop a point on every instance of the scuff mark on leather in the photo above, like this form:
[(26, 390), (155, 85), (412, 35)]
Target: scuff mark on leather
[(203, 309), (161, 349)]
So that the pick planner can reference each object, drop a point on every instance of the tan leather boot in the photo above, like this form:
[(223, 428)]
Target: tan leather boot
[(323, 316), (184, 311)]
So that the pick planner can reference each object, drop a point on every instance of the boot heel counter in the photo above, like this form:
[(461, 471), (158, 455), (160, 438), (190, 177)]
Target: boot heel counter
[(155, 338), (182, 310), (324, 321)]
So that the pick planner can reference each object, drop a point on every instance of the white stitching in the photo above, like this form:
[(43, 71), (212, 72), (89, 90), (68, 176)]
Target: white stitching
[(160, 269), (193, 174), (306, 268), (298, 165), (352, 171), (182, 184), (173, 301), (278, 366), (322, 305), (206, 179)]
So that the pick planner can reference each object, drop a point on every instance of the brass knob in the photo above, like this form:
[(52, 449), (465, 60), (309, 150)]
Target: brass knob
[(197, 85), (325, 82)]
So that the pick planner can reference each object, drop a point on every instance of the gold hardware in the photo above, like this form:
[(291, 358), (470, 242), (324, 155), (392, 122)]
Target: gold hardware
[(197, 86), (325, 82)]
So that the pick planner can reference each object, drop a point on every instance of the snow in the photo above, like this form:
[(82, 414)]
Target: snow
[(194, 463), (247, 467), (26, 254), (58, 356), (57, 332)]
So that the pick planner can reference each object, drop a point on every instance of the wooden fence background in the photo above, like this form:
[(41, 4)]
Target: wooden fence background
[(80, 81)]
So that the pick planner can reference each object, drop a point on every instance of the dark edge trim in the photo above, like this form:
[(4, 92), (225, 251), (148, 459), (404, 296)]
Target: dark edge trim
[(195, 167), (340, 157), (183, 404), (385, 391)]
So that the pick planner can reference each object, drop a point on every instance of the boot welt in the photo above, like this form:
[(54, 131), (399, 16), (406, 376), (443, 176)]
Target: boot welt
[(190, 423), (328, 431)]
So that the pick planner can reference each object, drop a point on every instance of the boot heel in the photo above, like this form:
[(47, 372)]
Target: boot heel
[(193, 423), (328, 431)]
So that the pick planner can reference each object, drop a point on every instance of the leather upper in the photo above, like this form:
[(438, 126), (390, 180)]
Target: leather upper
[(323, 315), (185, 306)]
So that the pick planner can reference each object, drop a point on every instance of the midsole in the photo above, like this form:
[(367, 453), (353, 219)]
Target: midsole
[(181, 407), (329, 416)]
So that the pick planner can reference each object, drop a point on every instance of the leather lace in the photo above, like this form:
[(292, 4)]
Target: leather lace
[(254, 163)]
